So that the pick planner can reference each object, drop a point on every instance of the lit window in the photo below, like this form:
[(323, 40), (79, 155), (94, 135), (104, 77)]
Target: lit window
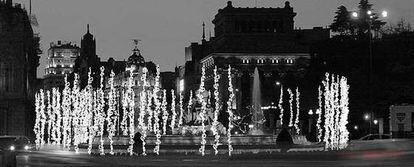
[(246, 61)]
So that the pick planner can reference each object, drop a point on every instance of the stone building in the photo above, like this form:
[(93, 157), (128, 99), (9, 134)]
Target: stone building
[(60, 62), (88, 60), (249, 38), (19, 48), (135, 65)]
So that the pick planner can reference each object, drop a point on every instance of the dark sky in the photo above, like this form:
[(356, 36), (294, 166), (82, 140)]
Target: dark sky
[(167, 26)]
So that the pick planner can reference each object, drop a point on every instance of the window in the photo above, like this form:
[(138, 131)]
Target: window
[(275, 61), (289, 61), (260, 61), (246, 61)]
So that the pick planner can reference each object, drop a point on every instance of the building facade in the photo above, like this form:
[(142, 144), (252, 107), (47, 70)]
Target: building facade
[(249, 38), (19, 49), (60, 62), (402, 121), (88, 60)]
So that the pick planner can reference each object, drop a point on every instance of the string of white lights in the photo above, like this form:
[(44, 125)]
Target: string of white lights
[(143, 108), (58, 118), (37, 125), (319, 113), (174, 114), (131, 113), (164, 112), (157, 111), (229, 110), (203, 111), (101, 111), (111, 116), (214, 128), (296, 125), (280, 105), (290, 107)]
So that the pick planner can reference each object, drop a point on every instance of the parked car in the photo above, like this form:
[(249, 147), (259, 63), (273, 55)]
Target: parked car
[(15, 143), (380, 142), (376, 137)]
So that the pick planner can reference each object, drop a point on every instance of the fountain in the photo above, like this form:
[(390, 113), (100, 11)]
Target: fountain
[(80, 117), (258, 117)]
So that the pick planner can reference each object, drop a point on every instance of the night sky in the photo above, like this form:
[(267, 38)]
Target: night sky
[(167, 26)]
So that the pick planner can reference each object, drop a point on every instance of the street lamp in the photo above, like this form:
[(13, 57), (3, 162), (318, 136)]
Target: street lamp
[(278, 83), (371, 15), (366, 117)]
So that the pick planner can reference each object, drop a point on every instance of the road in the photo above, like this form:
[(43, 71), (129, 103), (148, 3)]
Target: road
[(353, 159)]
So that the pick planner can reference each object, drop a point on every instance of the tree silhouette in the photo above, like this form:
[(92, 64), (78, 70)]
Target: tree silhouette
[(342, 22), (365, 20)]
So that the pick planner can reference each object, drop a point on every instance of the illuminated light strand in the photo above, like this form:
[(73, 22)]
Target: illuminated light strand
[(174, 114), (344, 138), (49, 116), (164, 112), (319, 112), (42, 117), (143, 108), (88, 112), (280, 105), (52, 116), (290, 107), (58, 118), (111, 116), (75, 114), (180, 117), (296, 125), (214, 128), (125, 113), (157, 112), (149, 110), (229, 110), (66, 112), (37, 125), (327, 115), (131, 113), (336, 111), (190, 103), (203, 111), (101, 111)]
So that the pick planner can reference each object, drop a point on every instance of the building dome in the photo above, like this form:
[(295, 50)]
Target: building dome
[(136, 58)]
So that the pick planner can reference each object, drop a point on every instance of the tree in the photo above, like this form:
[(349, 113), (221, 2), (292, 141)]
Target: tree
[(341, 24), (364, 20), (402, 26), (344, 24)]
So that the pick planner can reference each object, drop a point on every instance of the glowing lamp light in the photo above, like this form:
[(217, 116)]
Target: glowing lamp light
[(369, 12), (278, 83), (375, 122), (181, 85), (310, 112), (354, 14), (12, 148), (355, 127), (251, 126), (366, 116), (26, 147), (384, 14)]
